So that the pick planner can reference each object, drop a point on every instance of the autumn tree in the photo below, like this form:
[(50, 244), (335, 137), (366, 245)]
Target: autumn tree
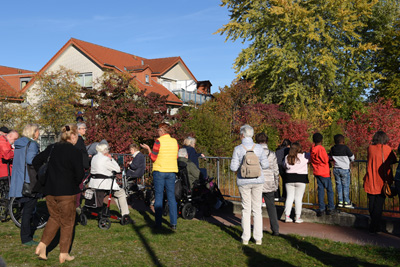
[(121, 114), (17, 115), (380, 116), (278, 125), (56, 96), (304, 53), (384, 30)]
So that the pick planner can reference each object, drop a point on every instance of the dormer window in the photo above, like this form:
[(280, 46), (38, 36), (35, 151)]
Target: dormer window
[(147, 78), (24, 81)]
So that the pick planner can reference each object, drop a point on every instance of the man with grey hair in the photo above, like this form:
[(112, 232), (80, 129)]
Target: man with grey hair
[(250, 189), (193, 171)]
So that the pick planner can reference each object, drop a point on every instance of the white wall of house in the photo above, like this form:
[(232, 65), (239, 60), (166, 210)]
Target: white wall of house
[(74, 60), (71, 59), (178, 78)]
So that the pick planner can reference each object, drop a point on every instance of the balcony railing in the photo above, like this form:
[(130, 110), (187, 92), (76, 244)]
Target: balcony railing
[(190, 97)]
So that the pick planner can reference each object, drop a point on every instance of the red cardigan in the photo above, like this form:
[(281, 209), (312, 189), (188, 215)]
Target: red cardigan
[(375, 177)]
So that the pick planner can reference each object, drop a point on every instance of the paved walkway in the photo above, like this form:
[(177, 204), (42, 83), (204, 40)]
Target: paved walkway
[(332, 232)]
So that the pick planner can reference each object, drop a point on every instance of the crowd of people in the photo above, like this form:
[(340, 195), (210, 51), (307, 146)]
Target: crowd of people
[(291, 163), (258, 169)]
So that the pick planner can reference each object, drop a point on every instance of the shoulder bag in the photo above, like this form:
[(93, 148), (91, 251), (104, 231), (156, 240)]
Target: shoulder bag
[(42, 173)]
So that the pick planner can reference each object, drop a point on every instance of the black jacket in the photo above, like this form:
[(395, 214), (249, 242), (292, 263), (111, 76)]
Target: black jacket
[(137, 167), (65, 169), (81, 146)]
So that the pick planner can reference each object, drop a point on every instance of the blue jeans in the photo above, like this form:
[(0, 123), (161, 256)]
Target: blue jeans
[(167, 180), (325, 183), (342, 178)]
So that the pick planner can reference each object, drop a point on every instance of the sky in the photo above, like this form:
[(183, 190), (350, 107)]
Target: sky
[(34, 31)]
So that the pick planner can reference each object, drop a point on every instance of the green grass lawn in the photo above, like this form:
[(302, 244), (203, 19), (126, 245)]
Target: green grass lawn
[(195, 243)]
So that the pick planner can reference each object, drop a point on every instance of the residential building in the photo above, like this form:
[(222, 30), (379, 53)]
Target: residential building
[(166, 76)]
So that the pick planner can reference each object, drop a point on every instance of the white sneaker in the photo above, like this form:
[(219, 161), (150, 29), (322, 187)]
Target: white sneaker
[(258, 242), (348, 205), (288, 219), (245, 242), (298, 220)]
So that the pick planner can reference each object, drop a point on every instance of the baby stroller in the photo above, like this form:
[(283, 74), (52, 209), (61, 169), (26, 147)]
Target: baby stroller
[(94, 204)]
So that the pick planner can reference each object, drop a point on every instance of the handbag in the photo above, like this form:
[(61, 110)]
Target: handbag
[(42, 172), (387, 190), (27, 187)]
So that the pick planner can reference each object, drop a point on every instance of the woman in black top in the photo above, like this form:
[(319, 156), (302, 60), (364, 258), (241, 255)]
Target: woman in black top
[(64, 174)]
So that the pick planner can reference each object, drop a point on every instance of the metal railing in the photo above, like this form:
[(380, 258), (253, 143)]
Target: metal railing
[(190, 97), (219, 168)]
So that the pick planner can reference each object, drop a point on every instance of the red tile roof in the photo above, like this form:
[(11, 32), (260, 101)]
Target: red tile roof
[(109, 58), (10, 81), (8, 70)]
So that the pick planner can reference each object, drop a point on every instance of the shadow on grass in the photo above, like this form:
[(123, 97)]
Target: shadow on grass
[(324, 257), (255, 258), (150, 222)]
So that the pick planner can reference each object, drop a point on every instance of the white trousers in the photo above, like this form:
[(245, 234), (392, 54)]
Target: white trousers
[(294, 192), (120, 200), (251, 195)]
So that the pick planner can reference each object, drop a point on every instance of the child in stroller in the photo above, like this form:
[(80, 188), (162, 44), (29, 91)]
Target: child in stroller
[(102, 179)]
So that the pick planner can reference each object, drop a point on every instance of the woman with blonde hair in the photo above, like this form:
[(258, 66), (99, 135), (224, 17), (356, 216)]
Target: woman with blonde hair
[(64, 174), (26, 148), (296, 164)]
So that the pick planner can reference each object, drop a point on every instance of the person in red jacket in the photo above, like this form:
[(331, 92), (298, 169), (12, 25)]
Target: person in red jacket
[(7, 152), (321, 170)]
